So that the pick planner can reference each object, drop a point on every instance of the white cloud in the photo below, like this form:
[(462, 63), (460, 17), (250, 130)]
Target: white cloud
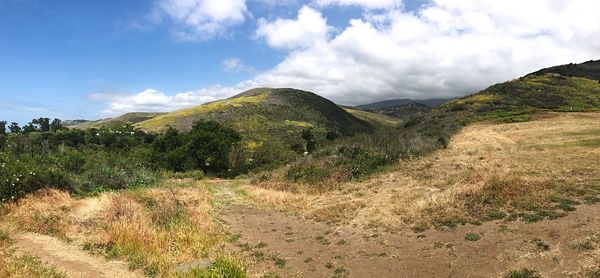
[(309, 28), (151, 100), (368, 4), (200, 19), (448, 48), (234, 64)]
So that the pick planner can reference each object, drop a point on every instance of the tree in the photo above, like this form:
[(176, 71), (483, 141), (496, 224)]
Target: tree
[(2, 127), (30, 127), (56, 125), (311, 143), (14, 128), (331, 135), (209, 146), (43, 124), (206, 147)]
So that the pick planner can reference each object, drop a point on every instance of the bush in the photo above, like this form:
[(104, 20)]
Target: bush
[(310, 173)]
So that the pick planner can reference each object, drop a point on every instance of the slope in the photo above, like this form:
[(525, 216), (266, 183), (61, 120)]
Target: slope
[(265, 112), (129, 118), (589, 70)]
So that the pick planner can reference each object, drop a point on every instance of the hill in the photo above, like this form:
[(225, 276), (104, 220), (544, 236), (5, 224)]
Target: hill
[(266, 113), (129, 118), (513, 101), (401, 102), (589, 70)]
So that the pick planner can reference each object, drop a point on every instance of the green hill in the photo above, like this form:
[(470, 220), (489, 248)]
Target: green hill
[(266, 113), (512, 101), (129, 118), (589, 70)]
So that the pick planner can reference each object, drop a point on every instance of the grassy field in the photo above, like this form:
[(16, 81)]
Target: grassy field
[(154, 230), (524, 192), (530, 171)]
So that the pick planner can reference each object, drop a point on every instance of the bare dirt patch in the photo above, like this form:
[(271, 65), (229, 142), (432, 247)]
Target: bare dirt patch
[(273, 243)]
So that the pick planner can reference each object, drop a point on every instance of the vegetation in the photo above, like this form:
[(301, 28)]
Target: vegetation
[(46, 155)]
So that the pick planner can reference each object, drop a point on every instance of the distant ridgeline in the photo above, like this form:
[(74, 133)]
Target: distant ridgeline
[(567, 88), (589, 70)]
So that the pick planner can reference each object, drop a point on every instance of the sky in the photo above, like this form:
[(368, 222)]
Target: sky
[(74, 59)]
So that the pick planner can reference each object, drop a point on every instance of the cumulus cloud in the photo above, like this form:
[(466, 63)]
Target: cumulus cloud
[(151, 100), (448, 48), (200, 19), (307, 29), (369, 4), (234, 65)]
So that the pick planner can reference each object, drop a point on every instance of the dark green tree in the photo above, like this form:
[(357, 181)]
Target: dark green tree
[(30, 127), (43, 124), (2, 127), (331, 135), (56, 125), (168, 151), (14, 128), (210, 144), (311, 142)]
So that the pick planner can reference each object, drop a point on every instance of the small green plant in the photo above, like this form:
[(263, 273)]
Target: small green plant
[(322, 240), (540, 245), (523, 273), (279, 262), (472, 237)]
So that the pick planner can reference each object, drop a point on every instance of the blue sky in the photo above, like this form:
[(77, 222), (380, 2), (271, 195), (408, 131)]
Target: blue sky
[(91, 59)]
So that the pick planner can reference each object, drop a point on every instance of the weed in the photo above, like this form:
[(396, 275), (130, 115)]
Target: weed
[(540, 245), (341, 242), (472, 237), (279, 262), (261, 245), (340, 272), (523, 273), (322, 240)]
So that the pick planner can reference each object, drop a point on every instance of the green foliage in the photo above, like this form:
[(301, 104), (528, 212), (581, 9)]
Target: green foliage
[(523, 273), (472, 237), (206, 147), (223, 267), (311, 142), (310, 173), (90, 161)]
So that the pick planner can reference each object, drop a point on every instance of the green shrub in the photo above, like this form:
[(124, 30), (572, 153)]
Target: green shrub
[(309, 173), (523, 273), (223, 267)]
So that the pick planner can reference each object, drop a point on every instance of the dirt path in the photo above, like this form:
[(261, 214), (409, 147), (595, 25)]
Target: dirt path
[(276, 243), (69, 258)]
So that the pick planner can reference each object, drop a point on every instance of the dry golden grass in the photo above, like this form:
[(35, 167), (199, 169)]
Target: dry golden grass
[(153, 229), (518, 168), (45, 212), (157, 229), (13, 265)]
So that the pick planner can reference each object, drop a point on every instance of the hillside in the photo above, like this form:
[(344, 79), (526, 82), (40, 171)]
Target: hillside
[(265, 112), (129, 118), (513, 101), (589, 70), (434, 102)]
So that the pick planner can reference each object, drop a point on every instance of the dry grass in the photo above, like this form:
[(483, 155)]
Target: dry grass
[(153, 229), (45, 212), (530, 170), (159, 228), (12, 265)]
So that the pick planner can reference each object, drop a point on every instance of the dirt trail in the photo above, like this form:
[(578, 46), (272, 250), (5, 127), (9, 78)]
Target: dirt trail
[(69, 258), (273, 242)]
